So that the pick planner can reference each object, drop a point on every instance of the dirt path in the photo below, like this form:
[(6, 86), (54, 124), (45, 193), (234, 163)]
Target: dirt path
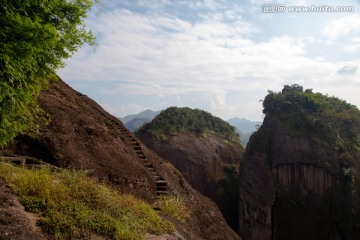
[(15, 222)]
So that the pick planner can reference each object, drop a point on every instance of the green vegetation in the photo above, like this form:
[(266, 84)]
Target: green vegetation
[(174, 207), (71, 204), (227, 191), (332, 124), (181, 120), (36, 36), (329, 120)]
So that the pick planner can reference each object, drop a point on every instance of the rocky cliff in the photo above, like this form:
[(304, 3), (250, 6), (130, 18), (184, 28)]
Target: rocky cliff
[(209, 163), (297, 182), (82, 135)]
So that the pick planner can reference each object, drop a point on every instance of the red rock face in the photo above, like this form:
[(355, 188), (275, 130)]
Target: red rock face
[(82, 135), (308, 177), (291, 187), (201, 161)]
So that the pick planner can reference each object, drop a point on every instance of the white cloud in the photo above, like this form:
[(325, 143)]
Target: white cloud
[(342, 26), (153, 4), (210, 4), (159, 60), (353, 46)]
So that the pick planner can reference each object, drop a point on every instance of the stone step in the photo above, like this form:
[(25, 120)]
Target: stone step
[(158, 193), (156, 175), (161, 183), (161, 188), (149, 165)]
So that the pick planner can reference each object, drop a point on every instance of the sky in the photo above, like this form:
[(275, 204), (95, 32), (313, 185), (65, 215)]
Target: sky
[(220, 56)]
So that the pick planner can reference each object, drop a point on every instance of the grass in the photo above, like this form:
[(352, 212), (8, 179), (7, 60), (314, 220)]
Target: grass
[(174, 206), (72, 205)]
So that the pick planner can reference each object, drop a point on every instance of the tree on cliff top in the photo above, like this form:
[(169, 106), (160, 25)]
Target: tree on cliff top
[(176, 120), (35, 37), (334, 120)]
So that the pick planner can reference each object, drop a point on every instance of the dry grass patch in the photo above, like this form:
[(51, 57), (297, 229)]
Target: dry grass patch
[(174, 206), (71, 204)]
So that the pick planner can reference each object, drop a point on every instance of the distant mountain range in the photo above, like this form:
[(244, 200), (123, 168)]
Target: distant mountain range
[(134, 121), (244, 126)]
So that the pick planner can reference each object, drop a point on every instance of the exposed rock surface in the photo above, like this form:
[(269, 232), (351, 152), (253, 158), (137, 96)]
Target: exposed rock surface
[(15, 222), (293, 188), (202, 160), (82, 135)]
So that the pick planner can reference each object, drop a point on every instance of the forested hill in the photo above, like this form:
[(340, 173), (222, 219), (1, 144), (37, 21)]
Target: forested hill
[(176, 120), (332, 121), (301, 169)]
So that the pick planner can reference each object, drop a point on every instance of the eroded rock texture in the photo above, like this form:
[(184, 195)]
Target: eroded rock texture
[(82, 135), (209, 164), (292, 187)]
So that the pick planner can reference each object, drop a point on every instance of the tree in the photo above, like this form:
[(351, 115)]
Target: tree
[(174, 120), (331, 119), (35, 38)]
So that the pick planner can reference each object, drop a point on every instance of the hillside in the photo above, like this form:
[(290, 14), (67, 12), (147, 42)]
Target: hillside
[(300, 175), (204, 148), (82, 135), (70, 205), (16, 223), (183, 120)]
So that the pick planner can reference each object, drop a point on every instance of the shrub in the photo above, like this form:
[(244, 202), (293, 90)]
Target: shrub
[(174, 207)]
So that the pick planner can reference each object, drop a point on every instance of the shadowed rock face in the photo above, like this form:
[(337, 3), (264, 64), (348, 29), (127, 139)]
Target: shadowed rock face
[(82, 135), (293, 188), (309, 178), (205, 163)]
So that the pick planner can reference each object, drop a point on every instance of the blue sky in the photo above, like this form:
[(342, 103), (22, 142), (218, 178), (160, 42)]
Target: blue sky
[(220, 56)]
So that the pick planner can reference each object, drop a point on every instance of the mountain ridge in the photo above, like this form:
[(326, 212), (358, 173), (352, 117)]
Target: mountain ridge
[(82, 135), (245, 127)]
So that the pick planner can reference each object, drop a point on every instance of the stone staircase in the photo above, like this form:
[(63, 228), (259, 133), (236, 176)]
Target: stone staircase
[(127, 138)]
